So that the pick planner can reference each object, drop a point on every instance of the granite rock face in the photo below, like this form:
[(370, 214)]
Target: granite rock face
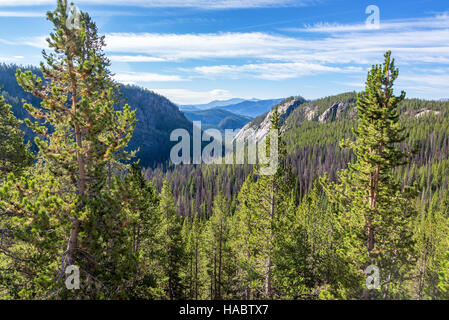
[(259, 128), (333, 112)]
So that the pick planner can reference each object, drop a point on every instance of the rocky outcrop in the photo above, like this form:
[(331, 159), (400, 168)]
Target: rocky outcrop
[(259, 129), (333, 112), (426, 112), (309, 113)]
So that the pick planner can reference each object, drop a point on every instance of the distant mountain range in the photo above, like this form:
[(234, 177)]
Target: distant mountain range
[(210, 105), (218, 119), (249, 108)]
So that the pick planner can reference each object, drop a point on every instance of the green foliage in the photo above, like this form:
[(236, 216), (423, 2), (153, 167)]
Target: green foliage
[(14, 154), (172, 252), (73, 201), (371, 198), (308, 231)]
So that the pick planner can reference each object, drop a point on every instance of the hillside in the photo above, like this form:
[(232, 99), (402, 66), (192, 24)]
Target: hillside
[(312, 132), (260, 126), (218, 119), (156, 116)]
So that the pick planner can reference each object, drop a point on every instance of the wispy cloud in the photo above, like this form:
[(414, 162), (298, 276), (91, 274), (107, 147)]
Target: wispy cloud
[(343, 49), (206, 4), (135, 77), (431, 80), (13, 59), (272, 71), (22, 14), (361, 48), (185, 96), (138, 58), (440, 21), (200, 46)]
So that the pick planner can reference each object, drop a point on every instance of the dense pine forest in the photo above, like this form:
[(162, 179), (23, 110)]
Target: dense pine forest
[(358, 207)]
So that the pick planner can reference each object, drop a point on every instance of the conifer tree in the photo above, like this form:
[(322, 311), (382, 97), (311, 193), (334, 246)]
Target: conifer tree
[(194, 242), (218, 249), (171, 251), (372, 201), (139, 201), (432, 243), (81, 134), (14, 154), (264, 206)]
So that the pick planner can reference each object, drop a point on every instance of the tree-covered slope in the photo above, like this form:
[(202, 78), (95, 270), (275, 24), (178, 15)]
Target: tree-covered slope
[(156, 116), (312, 132), (217, 119)]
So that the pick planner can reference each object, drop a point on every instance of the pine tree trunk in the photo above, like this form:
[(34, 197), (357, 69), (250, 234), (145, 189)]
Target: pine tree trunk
[(268, 261), (218, 293), (73, 240)]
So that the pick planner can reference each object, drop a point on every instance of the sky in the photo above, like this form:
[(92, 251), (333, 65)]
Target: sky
[(196, 51)]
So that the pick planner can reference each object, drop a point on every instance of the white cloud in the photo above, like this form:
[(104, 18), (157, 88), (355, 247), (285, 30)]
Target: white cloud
[(138, 58), (200, 46), (207, 4), (135, 77), (184, 96), (22, 14), (438, 22), (415, 43), (271, 71), (431, 80), (14, 59), (38, 42), (412, 41), (360, 48)]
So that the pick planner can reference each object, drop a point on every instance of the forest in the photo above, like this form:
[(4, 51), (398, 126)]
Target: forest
[(358, 207)]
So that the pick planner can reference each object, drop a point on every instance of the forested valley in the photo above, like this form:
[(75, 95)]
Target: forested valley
[(362, 184)]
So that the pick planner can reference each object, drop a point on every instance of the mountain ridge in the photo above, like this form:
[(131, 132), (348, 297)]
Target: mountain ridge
[(217, 118), (156, 115), (243, 107)]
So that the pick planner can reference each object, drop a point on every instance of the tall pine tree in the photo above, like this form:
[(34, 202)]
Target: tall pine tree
[(373, 202)]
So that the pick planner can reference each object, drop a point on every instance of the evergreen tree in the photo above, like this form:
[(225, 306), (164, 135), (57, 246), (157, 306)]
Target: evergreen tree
[(263, 208), (378, 210), (194, 242), (218, 250), (432, 243), (171, 251), (140, 202), (81, 135), (14, 154)]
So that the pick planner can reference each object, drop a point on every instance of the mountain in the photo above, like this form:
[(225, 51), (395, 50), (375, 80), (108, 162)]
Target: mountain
[(210, 105), (156, 116), (188, 108), (252, 108), (249, 108), (260, 126), (217, 119), (323, 123), (312, 131)]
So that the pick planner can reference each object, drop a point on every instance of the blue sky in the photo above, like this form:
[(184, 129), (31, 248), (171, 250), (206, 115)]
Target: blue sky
[(195, 51)]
